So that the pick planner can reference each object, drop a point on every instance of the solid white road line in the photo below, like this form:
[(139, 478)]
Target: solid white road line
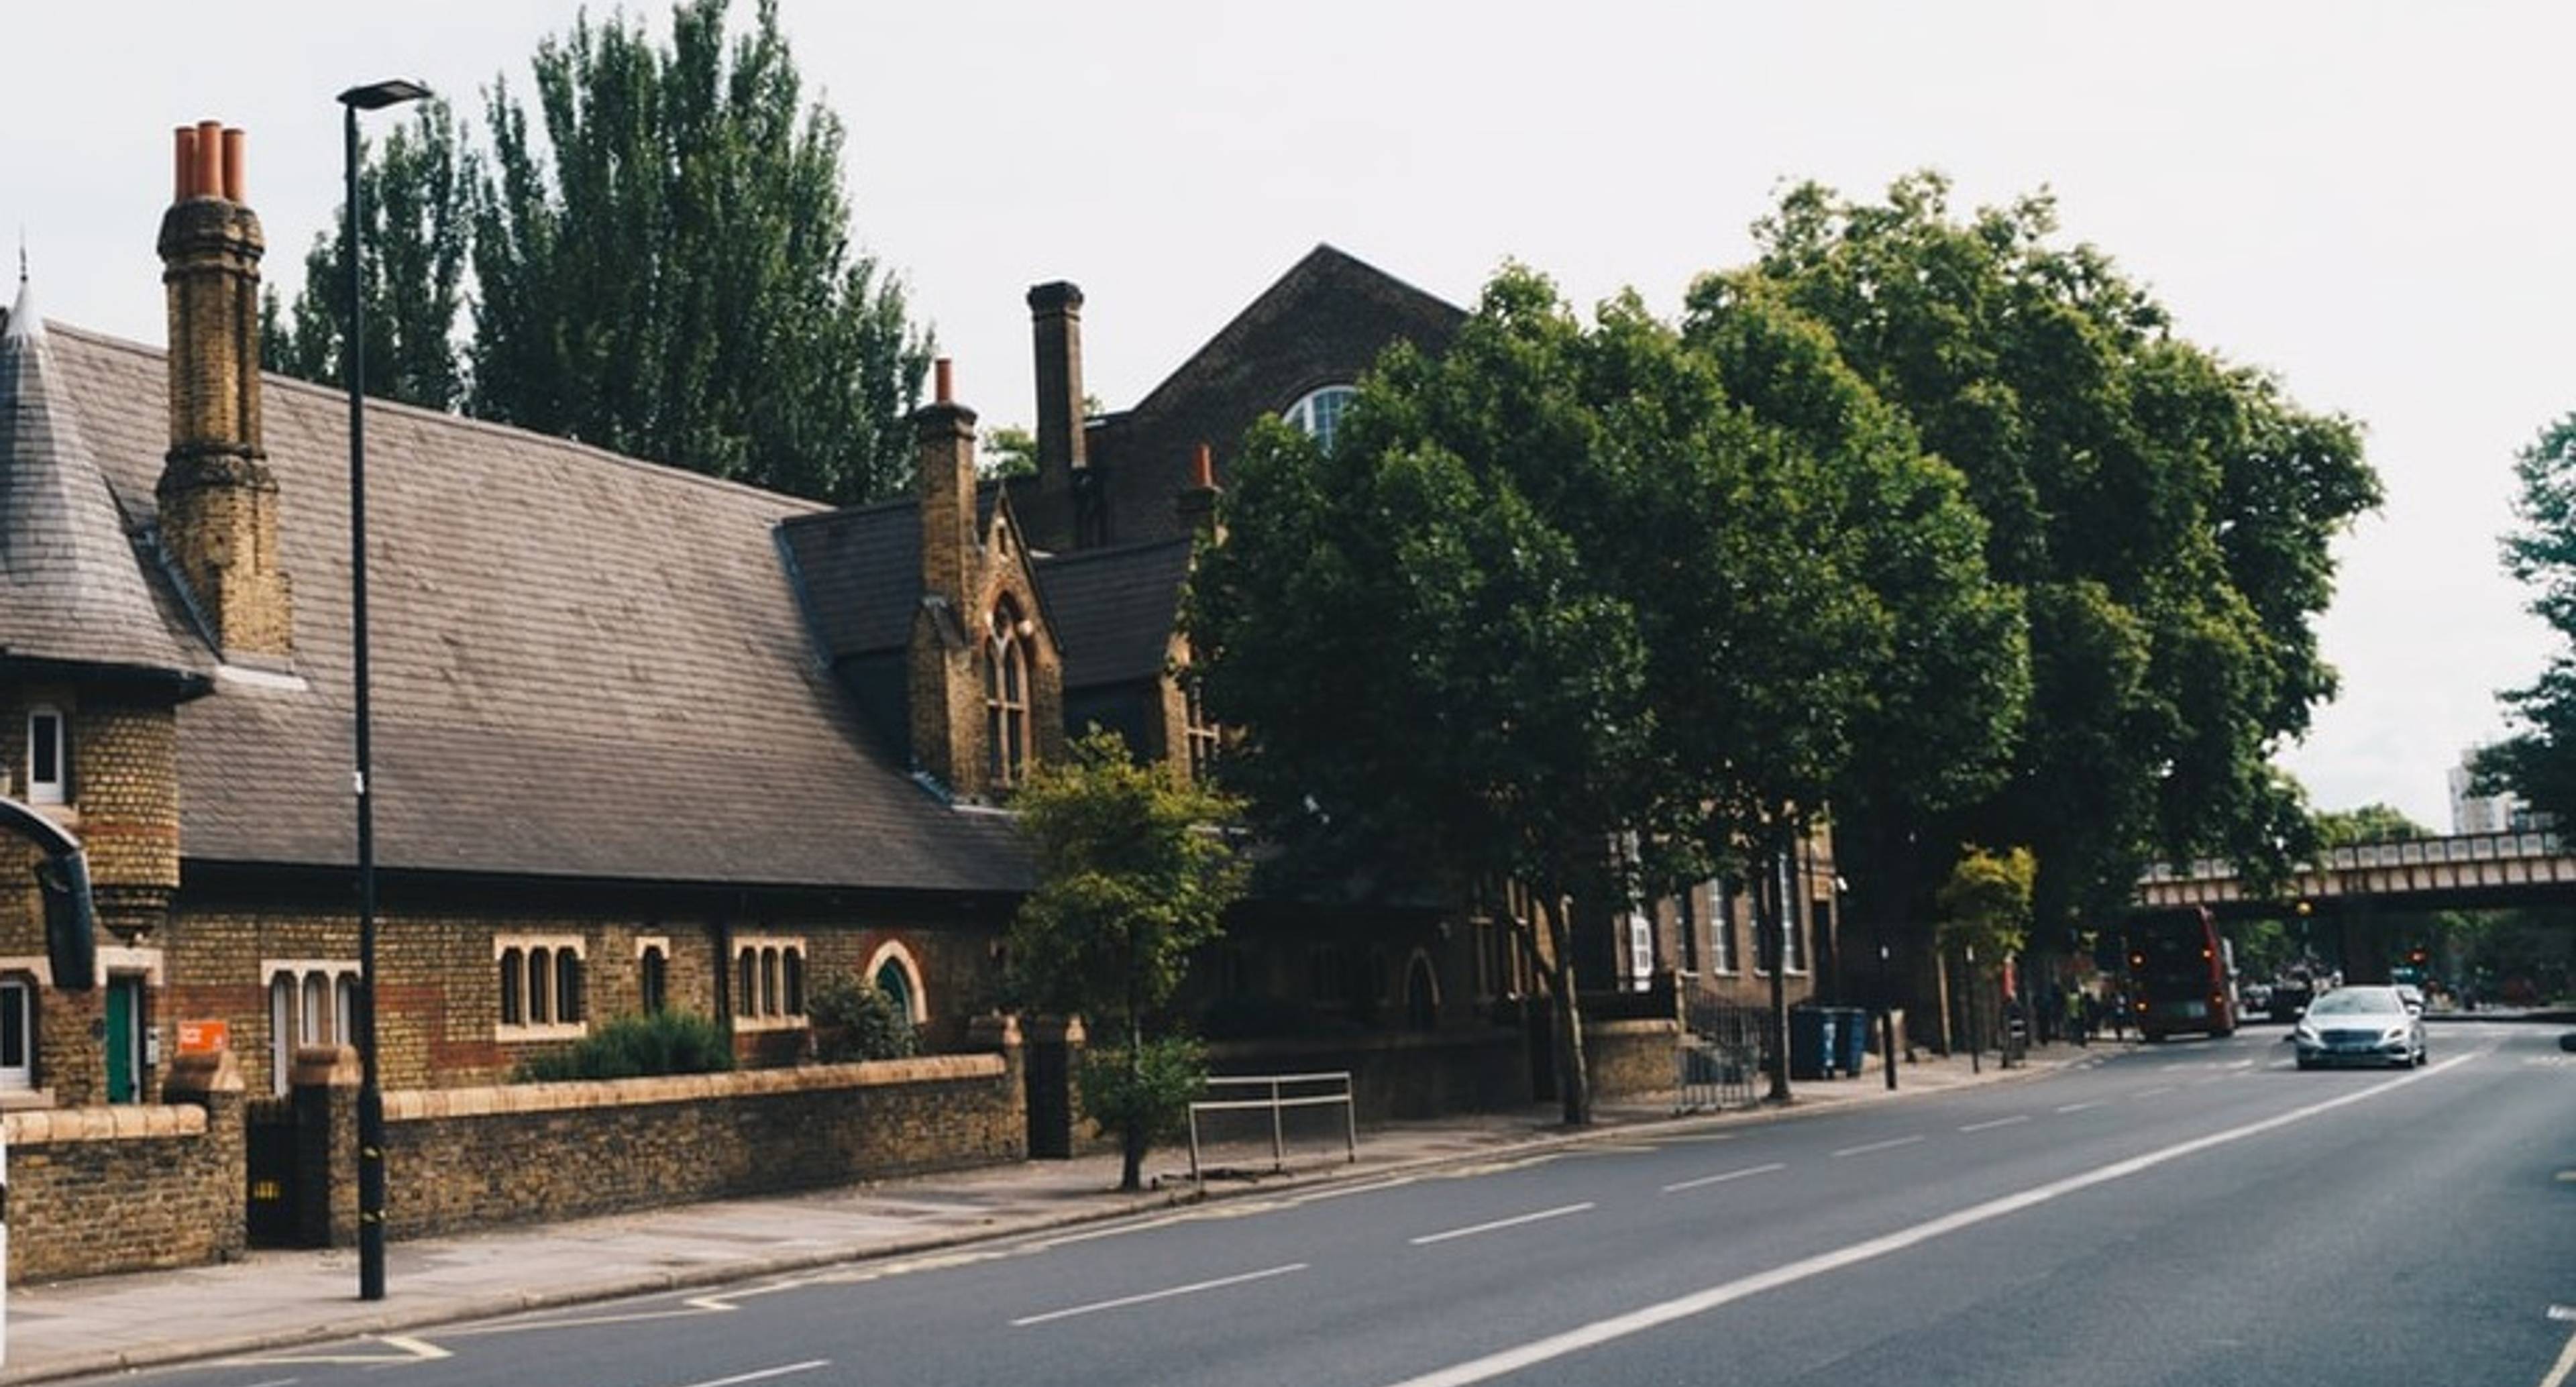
[(1878, 1146), (1638, 1321), (1123, 1301), (1998, 1122), (2152, 1092), (2566, 1364), (2078, 1107), (764, 1374), (1721, 1179), (1514, 1222)]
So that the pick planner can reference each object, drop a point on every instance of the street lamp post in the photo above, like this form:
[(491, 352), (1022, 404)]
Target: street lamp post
[(374, 96)]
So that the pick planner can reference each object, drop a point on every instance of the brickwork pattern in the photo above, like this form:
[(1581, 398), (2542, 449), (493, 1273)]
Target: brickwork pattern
[(470, 1158), (218, 500), (130, 1188)]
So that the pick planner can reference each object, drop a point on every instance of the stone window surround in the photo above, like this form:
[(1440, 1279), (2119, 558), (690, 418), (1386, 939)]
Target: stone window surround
[(916, 998), (745, 1016), (556, 945), (114, 960)]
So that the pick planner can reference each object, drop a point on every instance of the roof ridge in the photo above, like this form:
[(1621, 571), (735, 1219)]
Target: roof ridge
[(377, 404)]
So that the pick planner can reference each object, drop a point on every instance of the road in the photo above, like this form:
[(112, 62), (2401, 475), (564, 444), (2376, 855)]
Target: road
[(2192, 1213)]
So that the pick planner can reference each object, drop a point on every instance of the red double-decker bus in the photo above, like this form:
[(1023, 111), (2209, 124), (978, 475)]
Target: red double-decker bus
[(2178, 979)]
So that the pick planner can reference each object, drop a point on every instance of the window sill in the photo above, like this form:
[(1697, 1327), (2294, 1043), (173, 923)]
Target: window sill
[(748, 1024), (521, 1035), (25, 1099)]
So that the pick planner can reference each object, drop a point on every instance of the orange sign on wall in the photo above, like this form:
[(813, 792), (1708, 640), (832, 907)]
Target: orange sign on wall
[(204, 1037)]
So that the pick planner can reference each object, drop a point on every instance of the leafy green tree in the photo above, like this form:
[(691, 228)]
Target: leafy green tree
[(414, 188), (2371, 823), (1133, 875), (2538, 762), (1984, 910), (2166, 517), (1427, 667), (677, 281)]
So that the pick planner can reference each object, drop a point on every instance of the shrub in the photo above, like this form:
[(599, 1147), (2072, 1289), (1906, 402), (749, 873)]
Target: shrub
[(855, 1020), (632, 1047), (1149, 1101)]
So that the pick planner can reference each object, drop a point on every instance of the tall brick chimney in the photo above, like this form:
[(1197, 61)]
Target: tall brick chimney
[(946, 701), (1196, 503), (218, 500), (1055, 313)]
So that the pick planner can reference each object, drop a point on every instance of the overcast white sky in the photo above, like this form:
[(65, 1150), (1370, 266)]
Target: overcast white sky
[(2369, 199)]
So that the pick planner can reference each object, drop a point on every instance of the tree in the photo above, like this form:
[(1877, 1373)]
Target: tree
[(1133, 874), (661, 260), (414, 188), (1426, 668), (2538, 762), (2371, 823), (1985, 905), (2166, 517), (677, 283)]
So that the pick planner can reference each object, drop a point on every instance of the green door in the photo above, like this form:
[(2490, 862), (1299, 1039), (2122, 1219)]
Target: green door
[(124, 1038)]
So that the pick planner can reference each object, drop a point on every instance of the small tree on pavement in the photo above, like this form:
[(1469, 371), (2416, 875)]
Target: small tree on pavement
[(1134, 873)]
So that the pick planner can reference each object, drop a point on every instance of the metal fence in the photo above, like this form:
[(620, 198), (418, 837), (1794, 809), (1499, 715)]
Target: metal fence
[(1275, 1094), (1720, 1054)]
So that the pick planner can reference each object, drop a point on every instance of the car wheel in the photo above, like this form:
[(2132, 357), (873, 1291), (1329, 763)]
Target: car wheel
[(2423, 1055), (2306, 1063)]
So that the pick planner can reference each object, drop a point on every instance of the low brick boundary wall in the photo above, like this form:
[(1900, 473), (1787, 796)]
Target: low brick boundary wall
[(468, 1158), (127, 1188), (1628, 1058)]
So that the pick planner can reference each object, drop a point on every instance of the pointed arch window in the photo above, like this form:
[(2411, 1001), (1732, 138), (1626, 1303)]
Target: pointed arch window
[(48, 755), (1006, 694)]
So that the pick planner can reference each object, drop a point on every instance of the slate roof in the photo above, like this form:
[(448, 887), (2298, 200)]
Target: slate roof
[(1115, 609), (72, 588), (584, 666), (860, 568)]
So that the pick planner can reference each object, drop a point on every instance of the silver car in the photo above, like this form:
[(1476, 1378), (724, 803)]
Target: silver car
[(2368, 1024)]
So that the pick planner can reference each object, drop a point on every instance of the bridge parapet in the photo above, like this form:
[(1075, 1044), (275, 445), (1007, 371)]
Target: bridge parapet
[(2455, 865)]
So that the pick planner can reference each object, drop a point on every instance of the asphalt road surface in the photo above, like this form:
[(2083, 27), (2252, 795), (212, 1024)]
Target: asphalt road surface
[(2194, 1213)]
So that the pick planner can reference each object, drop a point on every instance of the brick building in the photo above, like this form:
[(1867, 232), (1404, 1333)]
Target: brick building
[(641, 738)]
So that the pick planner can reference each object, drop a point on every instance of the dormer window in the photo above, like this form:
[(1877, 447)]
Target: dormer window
[(1318, 414), (48, 755), (1006, 695)]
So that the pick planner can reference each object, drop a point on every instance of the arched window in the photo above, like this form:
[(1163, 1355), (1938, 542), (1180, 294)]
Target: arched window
[(344, 1008), (1318, 413), (541, 986), (1421, 993), (317, 1010), (746, 992), (281, 1029), (1006, 694), (567, 986), (769, 982), (514, 988), (654, 978), (896, 975), (791, 963), (1198, 731)]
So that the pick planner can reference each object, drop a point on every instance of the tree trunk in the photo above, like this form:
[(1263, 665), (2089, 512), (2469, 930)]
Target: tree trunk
[(1775, 930), (1131, 1134), (1573, 1076)]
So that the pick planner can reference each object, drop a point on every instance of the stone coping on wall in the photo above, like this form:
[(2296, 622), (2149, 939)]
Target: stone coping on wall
[(413, 1105), (123, 1122)]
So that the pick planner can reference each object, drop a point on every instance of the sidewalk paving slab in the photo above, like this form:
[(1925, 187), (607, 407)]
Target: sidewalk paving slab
[(274, 1299)]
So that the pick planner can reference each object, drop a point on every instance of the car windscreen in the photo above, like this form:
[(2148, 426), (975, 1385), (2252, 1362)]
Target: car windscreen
[(2354, 1002)]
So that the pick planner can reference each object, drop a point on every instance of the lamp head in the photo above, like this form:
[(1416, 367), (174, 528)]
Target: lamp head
[(375, 96)]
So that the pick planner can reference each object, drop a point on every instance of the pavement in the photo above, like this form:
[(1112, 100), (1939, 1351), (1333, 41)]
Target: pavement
[(273, 1299)]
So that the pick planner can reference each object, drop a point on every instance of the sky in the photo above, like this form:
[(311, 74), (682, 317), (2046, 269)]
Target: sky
[(2367, 199)]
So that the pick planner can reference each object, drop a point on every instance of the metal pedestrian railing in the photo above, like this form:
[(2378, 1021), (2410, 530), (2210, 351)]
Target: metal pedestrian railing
[(1276, 1094), (1719, 1056)]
